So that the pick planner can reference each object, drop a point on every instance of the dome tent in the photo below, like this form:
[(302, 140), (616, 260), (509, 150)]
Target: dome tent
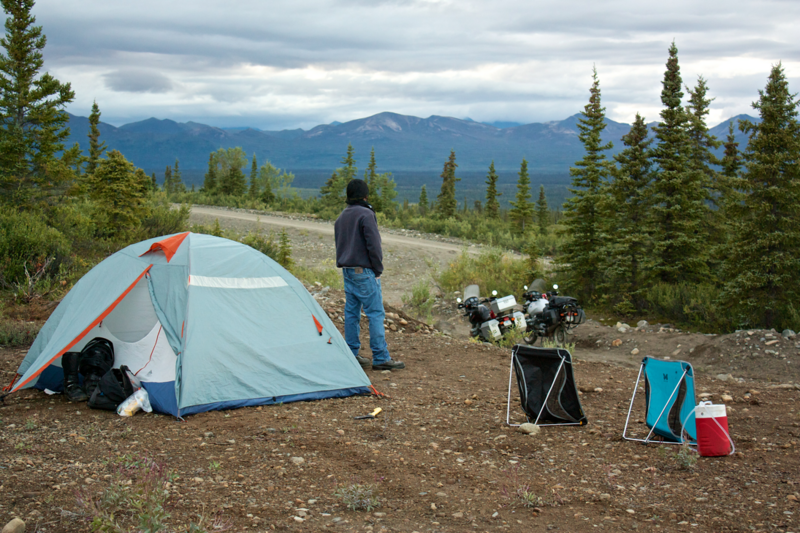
[(205, 323)]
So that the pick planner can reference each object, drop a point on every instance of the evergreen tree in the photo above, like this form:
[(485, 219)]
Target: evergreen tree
[(582, 212), (371, 177), (230, 175), (522, 209), (732, 160), (119, 191), (763, 287), (627, 237), (534, 253), (210, 180), (385, 192), (542, 213), (446, 201), (267, 196), (285, 250), (96, 148), (168, 181), (423, 201), (702, 142), (492, 205), (477, 206), (678, 191), (348, 171), (32, 117), (153, 182), (177, 182), (253, 192)]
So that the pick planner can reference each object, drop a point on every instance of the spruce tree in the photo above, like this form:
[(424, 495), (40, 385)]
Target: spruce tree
[(521, 212), (385, 192), (762, 261), (96, 148), (168, 181), (153, 182), (492, 205), (231, 179), (348, 171), (371, 177), (33, 123), (267, 196), (679, 194), (626, 235), (446, 201), (177, 182), (210, 180), (542, 213), (732, 159), (423, 201), (120, 191), (582, 212), (253, 192), (285, 250)]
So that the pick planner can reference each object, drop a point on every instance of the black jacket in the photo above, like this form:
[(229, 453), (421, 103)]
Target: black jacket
[(358, 243)]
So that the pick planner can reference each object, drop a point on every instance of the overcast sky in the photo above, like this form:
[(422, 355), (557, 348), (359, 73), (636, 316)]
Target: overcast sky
[(300, 63)]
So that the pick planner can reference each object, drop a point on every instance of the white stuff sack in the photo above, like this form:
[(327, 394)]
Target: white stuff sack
[(134, 402)]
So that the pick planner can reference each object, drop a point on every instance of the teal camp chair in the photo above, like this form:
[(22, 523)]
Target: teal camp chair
[(669, 402)]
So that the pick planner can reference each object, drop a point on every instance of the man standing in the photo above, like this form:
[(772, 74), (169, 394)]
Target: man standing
[(359, 255)]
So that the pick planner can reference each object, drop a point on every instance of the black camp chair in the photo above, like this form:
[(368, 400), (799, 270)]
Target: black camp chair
[(547, 388)]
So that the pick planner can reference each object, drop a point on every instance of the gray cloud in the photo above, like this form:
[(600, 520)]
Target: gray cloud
[(289, 64), (136, 80)]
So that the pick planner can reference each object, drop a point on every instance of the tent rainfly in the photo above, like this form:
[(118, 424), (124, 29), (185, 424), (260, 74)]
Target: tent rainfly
[(205, 323)]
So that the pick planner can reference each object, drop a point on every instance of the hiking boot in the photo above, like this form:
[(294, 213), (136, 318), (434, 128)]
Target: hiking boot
[(363, 361), (72, 388), (391, 364)]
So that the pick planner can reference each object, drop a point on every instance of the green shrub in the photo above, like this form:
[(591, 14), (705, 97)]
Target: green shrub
[(689, 305), (163, 219), (16, 333), (326, 274), (263, 243), (491, 270), (421, 300), (27, 242)]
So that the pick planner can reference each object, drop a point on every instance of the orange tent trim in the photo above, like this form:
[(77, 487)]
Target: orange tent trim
[(85, 331), (169, 245)]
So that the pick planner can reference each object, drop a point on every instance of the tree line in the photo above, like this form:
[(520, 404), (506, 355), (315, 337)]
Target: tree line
[(667, 227)]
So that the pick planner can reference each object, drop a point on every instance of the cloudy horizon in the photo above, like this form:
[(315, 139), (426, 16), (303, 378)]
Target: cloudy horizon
[(311, 62)]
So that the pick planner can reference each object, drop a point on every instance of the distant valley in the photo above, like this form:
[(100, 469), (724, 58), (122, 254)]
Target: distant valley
[(413, 149)]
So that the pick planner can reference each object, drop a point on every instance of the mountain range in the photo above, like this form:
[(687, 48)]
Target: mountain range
[(403, 144)]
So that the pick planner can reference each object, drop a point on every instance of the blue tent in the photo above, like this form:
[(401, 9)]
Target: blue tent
[(205, 323)]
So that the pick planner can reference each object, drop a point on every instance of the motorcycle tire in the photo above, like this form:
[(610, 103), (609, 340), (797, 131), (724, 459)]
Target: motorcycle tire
[(530, 338), (561, 336)]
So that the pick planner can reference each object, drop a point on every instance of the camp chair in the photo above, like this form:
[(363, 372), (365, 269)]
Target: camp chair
[(669, 401), (546, 386)]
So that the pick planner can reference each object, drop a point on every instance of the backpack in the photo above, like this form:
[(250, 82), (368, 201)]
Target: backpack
[(114, 387)]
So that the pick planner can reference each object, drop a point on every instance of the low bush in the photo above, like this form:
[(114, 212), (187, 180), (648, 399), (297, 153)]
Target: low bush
[(17, 333), (163, 219), (27, 242), (326, 274), (491, 270)]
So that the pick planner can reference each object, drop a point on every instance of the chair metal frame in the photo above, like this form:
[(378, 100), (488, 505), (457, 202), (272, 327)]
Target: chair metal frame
[(658, 439), (544, 402)]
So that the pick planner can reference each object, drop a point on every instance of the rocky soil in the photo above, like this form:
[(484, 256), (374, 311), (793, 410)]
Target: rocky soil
[(439, 457)]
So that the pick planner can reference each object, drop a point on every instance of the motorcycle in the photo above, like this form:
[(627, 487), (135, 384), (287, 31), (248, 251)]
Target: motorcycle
[(548, 314), (490, 318)]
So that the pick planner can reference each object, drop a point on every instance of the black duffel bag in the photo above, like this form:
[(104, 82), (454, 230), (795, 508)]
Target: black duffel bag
[(114, 387)]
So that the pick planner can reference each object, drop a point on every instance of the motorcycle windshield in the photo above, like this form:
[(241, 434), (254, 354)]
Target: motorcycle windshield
[(471, 291), (538, 285)]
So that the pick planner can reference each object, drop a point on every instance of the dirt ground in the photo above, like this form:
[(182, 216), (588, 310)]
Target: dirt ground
[(439, 455)]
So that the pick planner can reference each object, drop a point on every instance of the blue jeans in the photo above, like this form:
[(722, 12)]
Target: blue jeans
[(364, 290)]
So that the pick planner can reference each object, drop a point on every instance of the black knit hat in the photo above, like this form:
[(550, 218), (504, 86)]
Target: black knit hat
[(357, 189)]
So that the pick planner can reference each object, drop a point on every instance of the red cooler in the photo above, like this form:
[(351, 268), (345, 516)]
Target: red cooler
[(713, 438)]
